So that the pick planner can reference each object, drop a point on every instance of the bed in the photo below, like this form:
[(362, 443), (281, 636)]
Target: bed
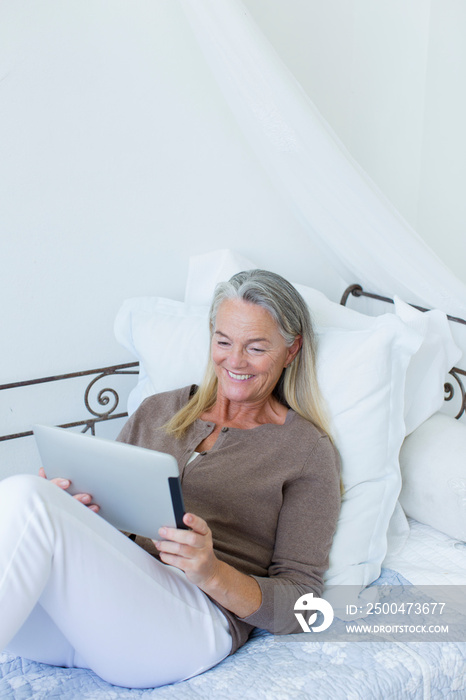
[(409, 545), (266, 669)]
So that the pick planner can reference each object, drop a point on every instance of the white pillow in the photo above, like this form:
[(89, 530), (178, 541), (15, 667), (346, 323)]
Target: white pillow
[(428, 368), (433, 466), (169, 338), (328, 313), (362, 375)]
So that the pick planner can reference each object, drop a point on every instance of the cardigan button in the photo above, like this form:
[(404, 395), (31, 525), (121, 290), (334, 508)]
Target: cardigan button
[(224, 430), (203, 453)]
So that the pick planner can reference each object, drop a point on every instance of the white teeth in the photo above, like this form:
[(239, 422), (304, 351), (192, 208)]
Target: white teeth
[(239, 376)]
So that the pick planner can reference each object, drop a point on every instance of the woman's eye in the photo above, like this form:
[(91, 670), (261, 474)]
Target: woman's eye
[(257, 350)]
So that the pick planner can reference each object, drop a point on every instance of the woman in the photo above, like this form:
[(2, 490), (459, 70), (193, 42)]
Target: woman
[(260, 480)]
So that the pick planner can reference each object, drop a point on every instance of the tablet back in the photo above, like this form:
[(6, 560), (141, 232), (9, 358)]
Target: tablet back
[(138, 490)]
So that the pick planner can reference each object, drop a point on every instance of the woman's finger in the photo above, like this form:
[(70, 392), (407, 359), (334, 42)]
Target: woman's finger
[(62, 483), (196, 524), (84, 498), (167, 547), (186, 537)]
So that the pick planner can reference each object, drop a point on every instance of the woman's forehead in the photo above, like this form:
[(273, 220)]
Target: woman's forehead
[(236, 315)]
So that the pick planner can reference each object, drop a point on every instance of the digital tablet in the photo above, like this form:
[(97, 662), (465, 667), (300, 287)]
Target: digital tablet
[(138, 490)]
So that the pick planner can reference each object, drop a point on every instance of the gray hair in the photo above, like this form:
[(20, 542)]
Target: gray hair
[(273, 293)]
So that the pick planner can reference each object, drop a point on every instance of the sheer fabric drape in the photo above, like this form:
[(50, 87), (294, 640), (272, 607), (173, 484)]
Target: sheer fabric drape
[(351, 221)]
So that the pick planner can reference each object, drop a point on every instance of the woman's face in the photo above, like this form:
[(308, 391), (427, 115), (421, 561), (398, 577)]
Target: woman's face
[(248, 352)]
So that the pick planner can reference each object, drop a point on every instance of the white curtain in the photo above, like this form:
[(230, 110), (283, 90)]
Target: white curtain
[(357, 228)]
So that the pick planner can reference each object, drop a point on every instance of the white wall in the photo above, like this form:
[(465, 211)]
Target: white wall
[(442, 200), (119, 160), (389, 76)]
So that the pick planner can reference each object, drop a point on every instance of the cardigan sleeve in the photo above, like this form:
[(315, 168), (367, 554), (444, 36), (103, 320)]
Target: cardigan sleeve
[(306, 526)]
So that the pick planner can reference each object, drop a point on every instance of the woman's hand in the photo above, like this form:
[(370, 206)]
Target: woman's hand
[(190, 550), (64, 484)]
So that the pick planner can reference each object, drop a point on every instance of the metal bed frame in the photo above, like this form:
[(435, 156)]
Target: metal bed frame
[(107, 397), (109, 400), (456, 373)]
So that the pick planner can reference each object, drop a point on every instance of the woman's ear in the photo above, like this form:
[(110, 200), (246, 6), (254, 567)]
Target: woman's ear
[(294, 349)]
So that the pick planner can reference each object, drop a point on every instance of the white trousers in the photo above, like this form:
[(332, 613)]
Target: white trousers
[(74, 591)]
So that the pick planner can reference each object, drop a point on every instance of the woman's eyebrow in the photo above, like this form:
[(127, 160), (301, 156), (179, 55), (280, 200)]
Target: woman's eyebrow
[(251, 340)]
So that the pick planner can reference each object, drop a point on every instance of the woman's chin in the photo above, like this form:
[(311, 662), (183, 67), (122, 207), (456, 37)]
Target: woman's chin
[(240, 391)]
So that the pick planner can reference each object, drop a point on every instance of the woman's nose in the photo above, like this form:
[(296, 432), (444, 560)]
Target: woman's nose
[(237, 358)]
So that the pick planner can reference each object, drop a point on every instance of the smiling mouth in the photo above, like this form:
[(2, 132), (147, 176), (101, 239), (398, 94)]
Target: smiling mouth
[(239, 377)]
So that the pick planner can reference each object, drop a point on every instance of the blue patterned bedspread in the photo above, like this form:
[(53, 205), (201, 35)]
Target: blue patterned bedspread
[(266, 668)]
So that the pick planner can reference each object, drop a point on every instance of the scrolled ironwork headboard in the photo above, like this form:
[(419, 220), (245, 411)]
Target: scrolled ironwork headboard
[(356, 290), (107, 398)]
